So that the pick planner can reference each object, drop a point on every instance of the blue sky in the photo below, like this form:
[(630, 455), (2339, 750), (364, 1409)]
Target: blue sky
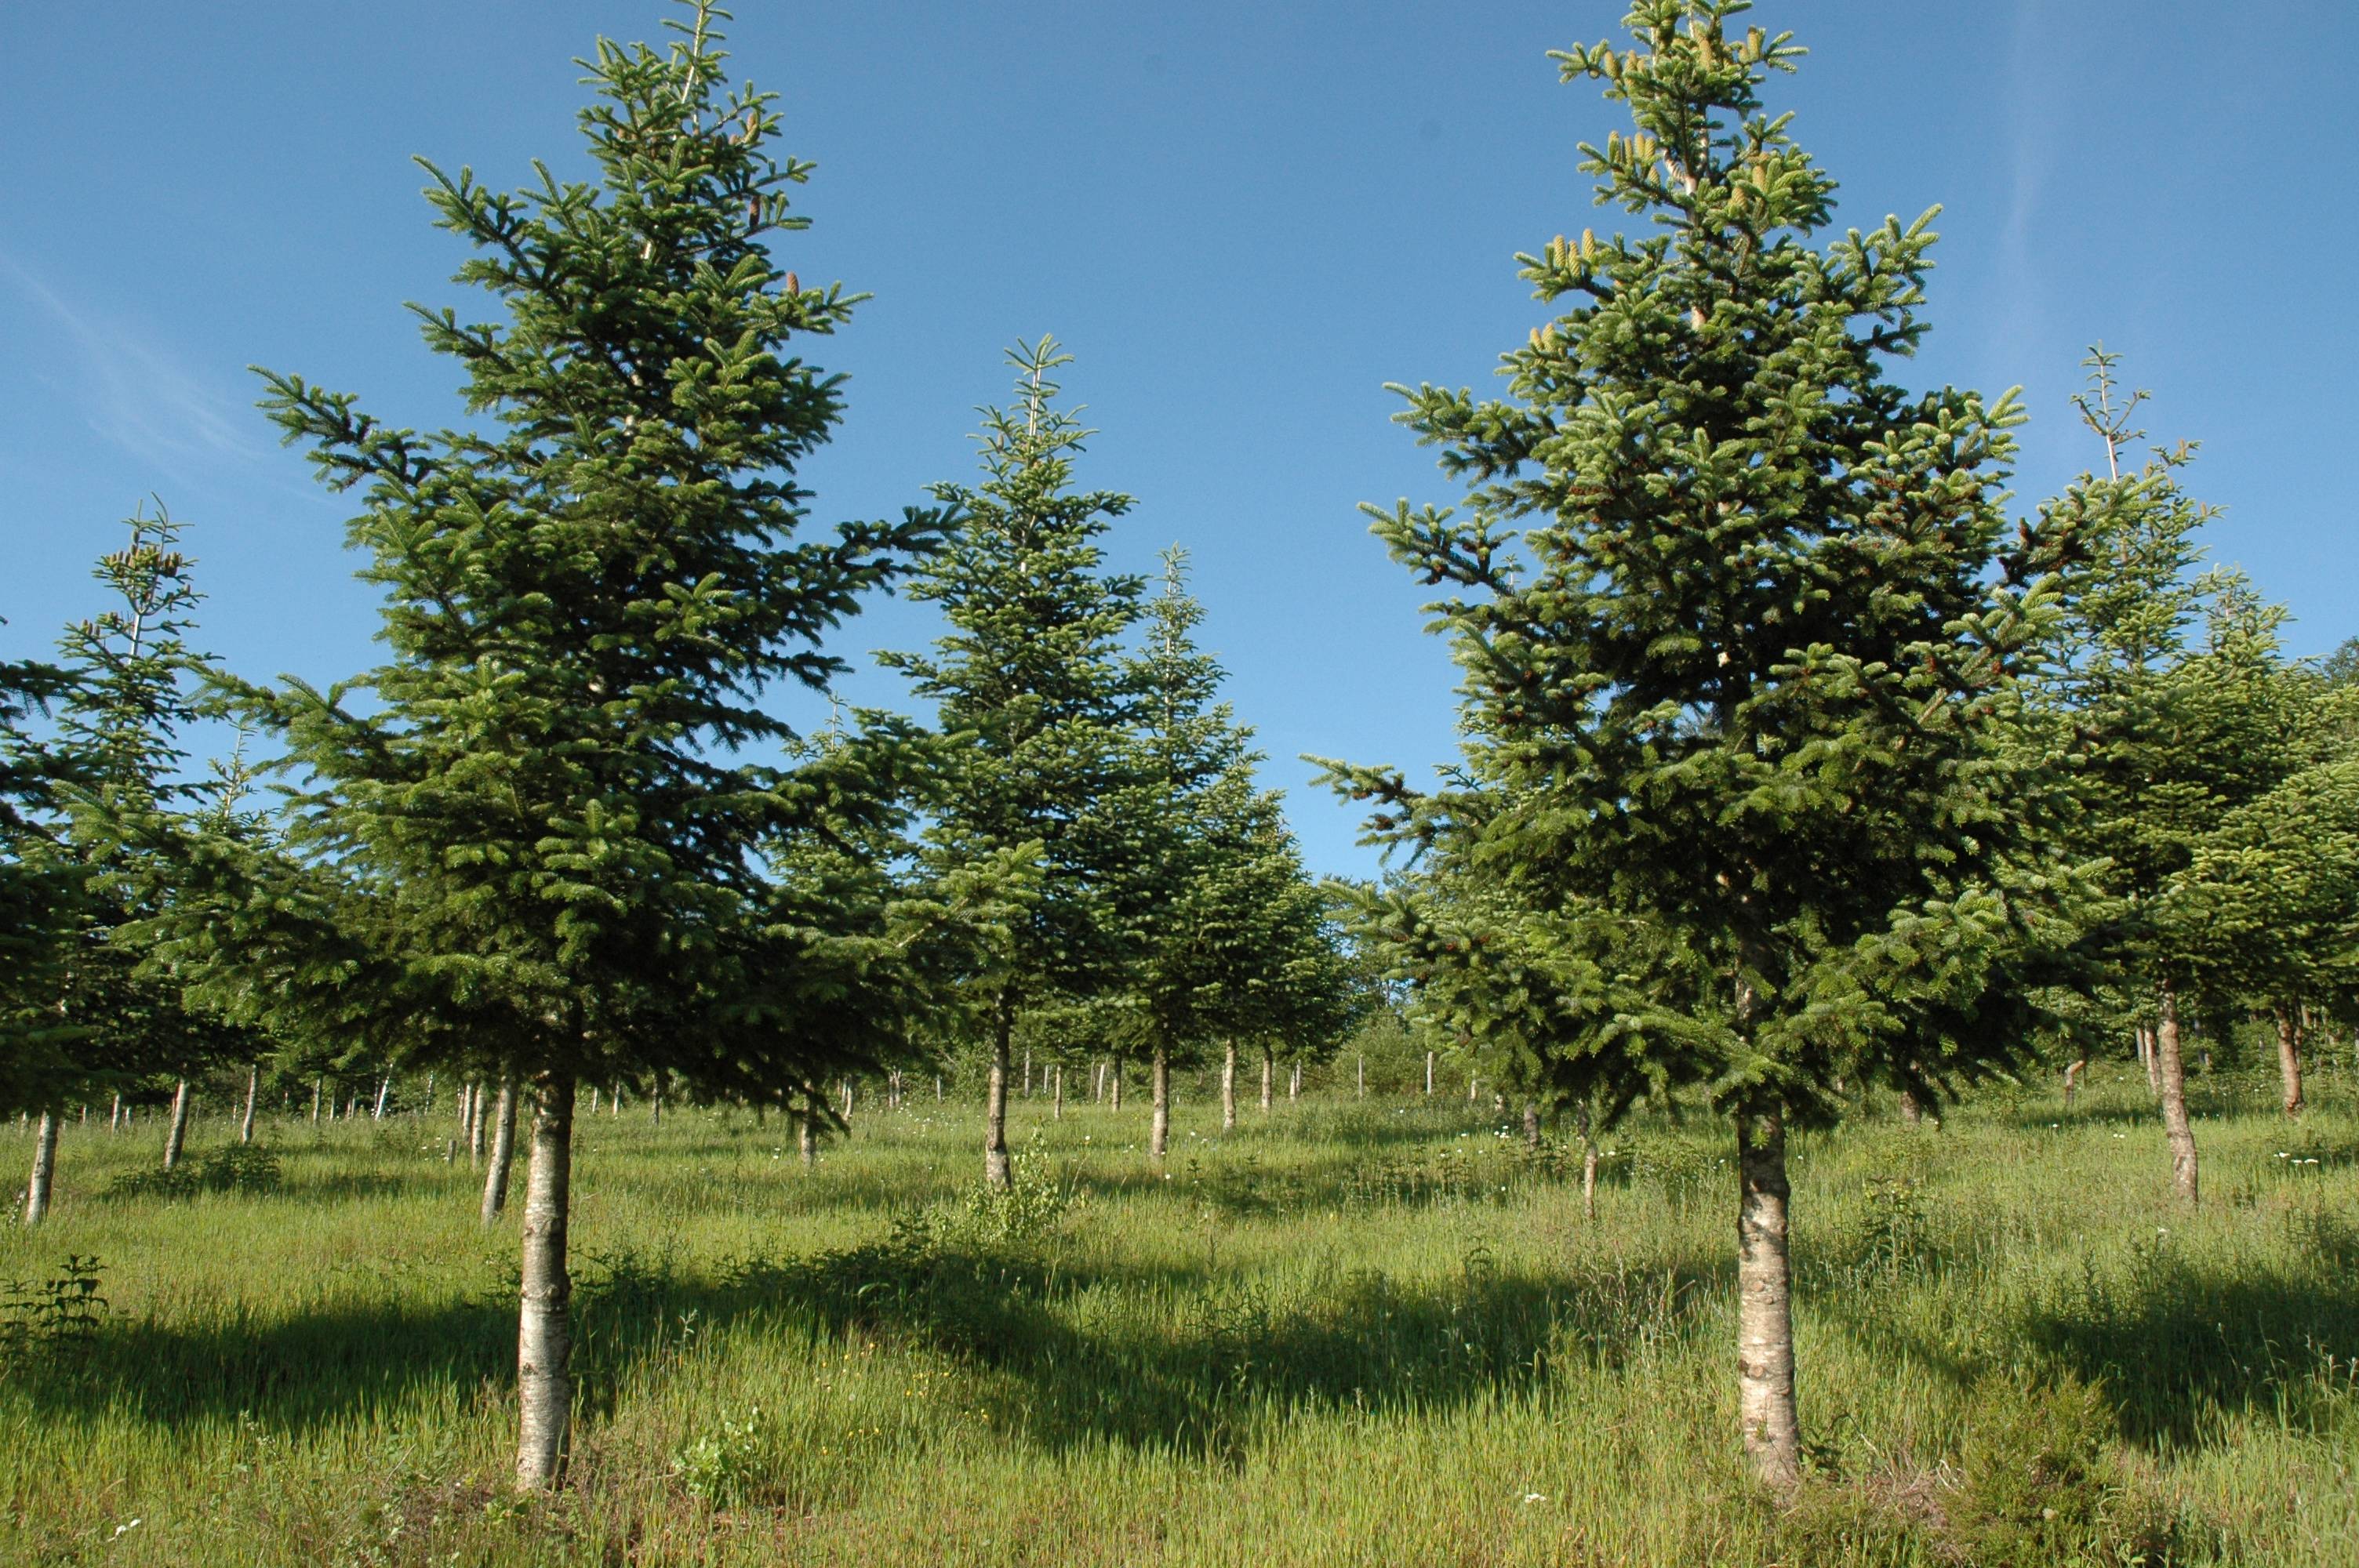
[(1244, 219)]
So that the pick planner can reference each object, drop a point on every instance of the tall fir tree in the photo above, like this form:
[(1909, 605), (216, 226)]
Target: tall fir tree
[(531, 848), (1739, 631), (1031, 672)]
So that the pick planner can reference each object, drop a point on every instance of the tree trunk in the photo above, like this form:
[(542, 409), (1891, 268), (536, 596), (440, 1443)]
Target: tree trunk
[(2172, 1073), (2073, 1074), (593, 1100), (176, 1135), (994, 1098), (383, 1088), (466, 1105), (318, 1087), (1229, 1087), (1911, 1111), (1588, 1168), (1268, 1073), (655, 1101), (1532, 1125), (2288, 1058), (1470, 1088), (1097, 1085), (1056, 1108), (2150, 1053), (1159, 1125), (544, 1394), (476, 1113), (807, 1139), (1764, 1354), (1113, 1085), (1429, 1072), (496, 1179), (115, 1113), (1027, 1072), (937, 1088), (1294, 1084), (253, 1090), (45, 1169), (1360, 1065)]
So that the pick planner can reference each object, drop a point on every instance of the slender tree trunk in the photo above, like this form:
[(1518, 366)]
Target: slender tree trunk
[(1159, 1125), (1027, 1072), (1229, 1087), (1057, 1108), (1113, 1086), (1911, 1111), (252, 1091), (1268, 1075), (995, 1097), (466, 1105), (2173, 1072), (1470, 1081), (2151, 1052), (593, 1100), (45, 1169), (1765, 1355), (176, 1135), (2073, 1072), (1532, 1125), (1294, 1084), (115, 1114), (807, 1139), (937, 1088), (318, 1087), (503, 1119), (1429, 1073), (476, 1114), (614, 1102), (544, 1343), (655, 1101), (1097, 1085), (383, 1088), (847, 1101), (1588, 1168), (2288, 1058)]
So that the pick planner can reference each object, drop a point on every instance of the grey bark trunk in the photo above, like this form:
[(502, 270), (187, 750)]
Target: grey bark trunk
[(1229, 1087), (45, 1169), (1532, 1125), (2289, 1059), (1268, 1075), (1057, 1106), (994, 1098), (937, 1088), (176, 1134), (2151, 1056), (383, 1088), (2171, 1069), (1764, 1354), (1113, 1086), (807, 1139), (477, 1113), (1429, 1072), (1158, 1126), (318, 1088), (115, 1114), (253, 1090), (543, 1341), (1911, 1112), (495, 1178), (1294, 1084), (1587, 1170)]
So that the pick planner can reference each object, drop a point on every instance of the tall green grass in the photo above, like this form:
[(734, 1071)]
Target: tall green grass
[(1357, 1332)]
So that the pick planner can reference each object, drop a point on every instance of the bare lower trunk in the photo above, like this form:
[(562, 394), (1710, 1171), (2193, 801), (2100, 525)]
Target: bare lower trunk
[(1229, 1087), (1294, 1083), (496, 1179), (476, 1115), (1429, 1072), (1113, 1086), (2171, 1071), (383, 1088), (45, 1168), (1470, 1081), (318, 1087), (1268, 1074), (2289, 1059), (994, 1098), (544, 1343), (593, 1100), (1764, 1354), (253, 1090), (806, 1138), (655, 1102), (1588, 1168), (1532, 1125), (115, 1114), (1097, 1085), (1057, 1106), (176, 1135), (1911, 1111), (2073, 1074), (466, 1106), (1027, 1072), (1159, 1124), (937, 1088), (2151, 1056)]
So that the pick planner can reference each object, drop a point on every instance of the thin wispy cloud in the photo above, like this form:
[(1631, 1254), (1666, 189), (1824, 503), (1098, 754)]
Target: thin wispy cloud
[(134, 393)]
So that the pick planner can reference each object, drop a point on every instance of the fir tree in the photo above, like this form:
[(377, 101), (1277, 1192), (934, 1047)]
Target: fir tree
[(529, 849), (1739, 633), (1031, 672)]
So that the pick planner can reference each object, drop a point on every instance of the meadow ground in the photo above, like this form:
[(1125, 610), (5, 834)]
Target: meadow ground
[(1358, 1332)]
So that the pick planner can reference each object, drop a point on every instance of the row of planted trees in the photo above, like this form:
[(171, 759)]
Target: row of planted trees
[(561, 838), (1794, 764)]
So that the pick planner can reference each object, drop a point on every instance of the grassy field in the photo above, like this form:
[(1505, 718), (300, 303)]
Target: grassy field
[(1359, 1332)]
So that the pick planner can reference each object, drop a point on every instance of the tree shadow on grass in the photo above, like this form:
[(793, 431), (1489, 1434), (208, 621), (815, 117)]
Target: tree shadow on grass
[(1172, 1357)]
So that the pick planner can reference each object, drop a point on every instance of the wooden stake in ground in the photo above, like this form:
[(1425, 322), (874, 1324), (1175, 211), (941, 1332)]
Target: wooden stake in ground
[(2171, 1073), (176, 1134), (503, 1119)]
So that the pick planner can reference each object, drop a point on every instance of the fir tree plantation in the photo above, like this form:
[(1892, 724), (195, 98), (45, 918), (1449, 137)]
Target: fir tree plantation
[(1958, 892)]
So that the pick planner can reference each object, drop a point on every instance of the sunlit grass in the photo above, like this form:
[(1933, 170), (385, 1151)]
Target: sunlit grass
[(1367, 1332)]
